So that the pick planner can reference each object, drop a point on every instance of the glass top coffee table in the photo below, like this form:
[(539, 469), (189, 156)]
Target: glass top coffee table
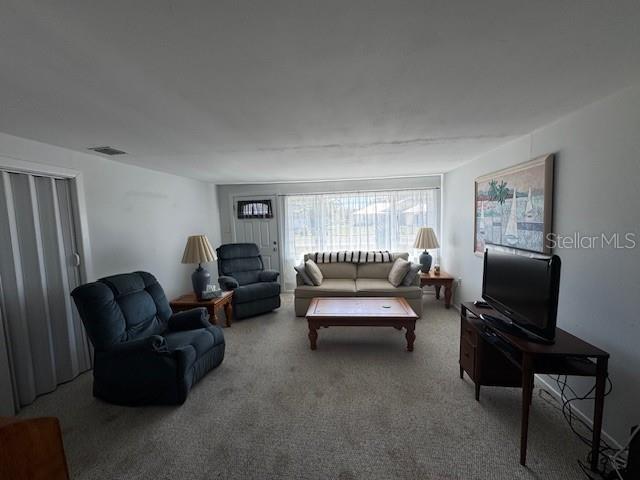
[(361, 312)]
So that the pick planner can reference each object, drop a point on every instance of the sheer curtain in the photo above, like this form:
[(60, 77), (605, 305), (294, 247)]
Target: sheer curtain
[(385, 220)]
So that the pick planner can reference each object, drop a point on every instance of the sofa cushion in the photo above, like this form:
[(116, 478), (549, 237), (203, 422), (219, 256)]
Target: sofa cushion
[(379, 270), (379, 287), (255, 291), (300, 270), (268, 276), (411, 275), (330, 287), (122, 308), (202, 339), (241, 261), (338, 270), (398, 271), (313, 271), (246, 277), (374, 270)]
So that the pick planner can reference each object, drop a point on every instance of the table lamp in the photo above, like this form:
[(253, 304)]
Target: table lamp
[(426, 239), (199, 250)]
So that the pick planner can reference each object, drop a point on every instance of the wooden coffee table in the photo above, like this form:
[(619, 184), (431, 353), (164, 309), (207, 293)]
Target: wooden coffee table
[(189, 301), (361, 312)]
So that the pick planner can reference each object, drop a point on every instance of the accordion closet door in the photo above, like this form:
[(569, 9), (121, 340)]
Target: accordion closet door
[(42, 341)]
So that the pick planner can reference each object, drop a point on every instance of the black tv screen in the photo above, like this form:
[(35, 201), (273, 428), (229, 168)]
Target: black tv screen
[(524, 289)]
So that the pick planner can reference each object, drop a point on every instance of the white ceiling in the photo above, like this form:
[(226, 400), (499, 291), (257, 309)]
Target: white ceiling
[(246, 91)]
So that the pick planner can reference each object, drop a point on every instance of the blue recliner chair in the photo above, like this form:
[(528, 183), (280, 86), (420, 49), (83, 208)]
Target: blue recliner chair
[(144, 354), (255, 290)]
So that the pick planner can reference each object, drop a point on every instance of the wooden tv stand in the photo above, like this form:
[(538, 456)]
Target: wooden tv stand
[(495, 358)]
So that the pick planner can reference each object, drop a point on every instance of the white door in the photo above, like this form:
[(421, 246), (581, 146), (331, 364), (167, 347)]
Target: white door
[(255, 222)]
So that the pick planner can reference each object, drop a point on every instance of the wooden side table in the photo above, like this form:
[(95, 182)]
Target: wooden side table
[(189, 301), (443, 280), (32, 448)]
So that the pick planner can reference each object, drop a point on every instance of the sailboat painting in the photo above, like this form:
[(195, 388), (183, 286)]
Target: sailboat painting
[(513, 207)]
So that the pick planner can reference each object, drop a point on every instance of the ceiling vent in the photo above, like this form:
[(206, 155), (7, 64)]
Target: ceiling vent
[(108, 151)]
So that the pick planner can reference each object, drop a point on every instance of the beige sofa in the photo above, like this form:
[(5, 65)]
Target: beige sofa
[(356, 280)]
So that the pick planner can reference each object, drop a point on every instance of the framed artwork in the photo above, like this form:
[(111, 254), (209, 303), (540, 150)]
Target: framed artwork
[(514, 206)]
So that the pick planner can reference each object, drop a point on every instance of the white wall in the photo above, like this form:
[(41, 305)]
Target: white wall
[(227, 192), (597, 189), (138, 219)]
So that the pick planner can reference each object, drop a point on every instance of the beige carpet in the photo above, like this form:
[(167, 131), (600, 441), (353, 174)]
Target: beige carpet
[(360, 407)]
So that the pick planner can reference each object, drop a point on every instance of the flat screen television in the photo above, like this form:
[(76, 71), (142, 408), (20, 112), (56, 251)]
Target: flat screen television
[(525, 291)]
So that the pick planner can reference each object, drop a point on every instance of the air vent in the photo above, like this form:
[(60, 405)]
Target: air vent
[(108, 151)]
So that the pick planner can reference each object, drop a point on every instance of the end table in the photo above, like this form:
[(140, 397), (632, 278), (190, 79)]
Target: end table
[(443, 280), (189, 301)]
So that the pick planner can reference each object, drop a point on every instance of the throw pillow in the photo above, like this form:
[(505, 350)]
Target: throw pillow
[(306, 279), (398, 271), (408, 279), (313, 271)]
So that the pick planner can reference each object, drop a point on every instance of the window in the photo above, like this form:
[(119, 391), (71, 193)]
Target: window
[(355, 221), (254, 209)]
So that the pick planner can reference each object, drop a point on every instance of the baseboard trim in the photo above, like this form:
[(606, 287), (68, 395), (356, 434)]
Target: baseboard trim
[(551, 389)]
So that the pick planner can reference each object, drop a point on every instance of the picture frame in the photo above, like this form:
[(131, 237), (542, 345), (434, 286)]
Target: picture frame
[(513, 208)]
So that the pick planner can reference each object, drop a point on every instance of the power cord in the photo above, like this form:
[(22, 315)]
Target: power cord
[(619, 463), (610, 458)]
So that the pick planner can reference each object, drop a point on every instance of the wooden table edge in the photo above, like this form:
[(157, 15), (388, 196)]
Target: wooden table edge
[(330, 316), (224, 301)]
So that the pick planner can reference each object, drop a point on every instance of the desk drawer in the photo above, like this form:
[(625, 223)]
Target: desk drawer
[(468, 357), (468, 333)]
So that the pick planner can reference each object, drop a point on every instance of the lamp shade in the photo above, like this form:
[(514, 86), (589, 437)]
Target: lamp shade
[(198, 250), (426, 239)]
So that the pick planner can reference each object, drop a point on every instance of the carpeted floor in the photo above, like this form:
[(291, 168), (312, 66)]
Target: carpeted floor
[(360, 407)]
